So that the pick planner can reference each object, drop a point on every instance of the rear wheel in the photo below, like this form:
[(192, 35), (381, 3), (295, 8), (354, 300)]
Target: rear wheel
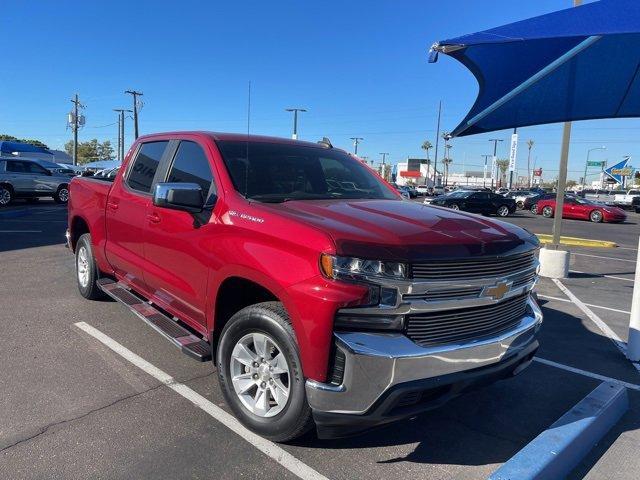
[(520, 205), (596, 216), (455, 206), (502, 211), (260, 372), (6, 195), (86, 269), (62, 195), (547, 212), (534, 208)]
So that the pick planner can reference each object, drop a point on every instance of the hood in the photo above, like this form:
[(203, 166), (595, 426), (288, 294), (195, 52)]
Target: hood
[(406, 231)]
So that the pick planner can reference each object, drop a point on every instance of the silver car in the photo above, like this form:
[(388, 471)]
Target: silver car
[(24, 178)]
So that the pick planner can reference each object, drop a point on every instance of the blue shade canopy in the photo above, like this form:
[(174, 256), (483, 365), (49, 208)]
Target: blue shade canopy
[(575, 64)]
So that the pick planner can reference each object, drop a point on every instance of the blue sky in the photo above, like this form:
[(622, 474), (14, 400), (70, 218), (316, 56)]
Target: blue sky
[(359, 67)]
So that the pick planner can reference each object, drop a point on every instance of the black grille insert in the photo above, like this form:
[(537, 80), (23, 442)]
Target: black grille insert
[(466, 323), (472, 268)]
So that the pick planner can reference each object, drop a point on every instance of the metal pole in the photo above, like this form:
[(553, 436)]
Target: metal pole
[(562, 183), (356, 140), (435, 164), (495, 150), (633, 345), (121, 136), (135, 96), (75, 130), (484, 172), (515, 130)]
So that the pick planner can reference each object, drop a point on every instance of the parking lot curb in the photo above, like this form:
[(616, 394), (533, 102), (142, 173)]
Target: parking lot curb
[(578, 242), (558, 450)]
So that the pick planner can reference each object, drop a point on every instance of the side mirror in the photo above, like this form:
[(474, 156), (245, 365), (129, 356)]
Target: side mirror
[(187, 197)]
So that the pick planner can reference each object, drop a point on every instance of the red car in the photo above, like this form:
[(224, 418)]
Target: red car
[(581, 209)]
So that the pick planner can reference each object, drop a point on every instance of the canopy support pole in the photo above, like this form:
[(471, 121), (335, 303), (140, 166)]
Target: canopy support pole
[(562, 184)]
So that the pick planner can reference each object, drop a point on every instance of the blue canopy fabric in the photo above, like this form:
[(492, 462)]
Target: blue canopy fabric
[(7, 146), (575, 64)]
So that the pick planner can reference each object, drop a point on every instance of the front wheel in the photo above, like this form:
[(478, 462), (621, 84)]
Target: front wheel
[(547, 212), (502, 211), (62, 195), (260, 372), (534, 208), (520, 205), (596, 216), (455, 206)]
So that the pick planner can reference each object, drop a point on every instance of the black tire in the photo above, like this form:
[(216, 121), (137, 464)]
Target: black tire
[(503, 211), (534, 209), (520, 205), (90, 289), (62, 195), (455, 206), (547, 212), (268, 318), (596, 216), (6, 195)]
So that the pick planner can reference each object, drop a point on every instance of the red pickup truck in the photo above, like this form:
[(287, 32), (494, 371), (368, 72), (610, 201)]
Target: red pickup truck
[(322, 297)]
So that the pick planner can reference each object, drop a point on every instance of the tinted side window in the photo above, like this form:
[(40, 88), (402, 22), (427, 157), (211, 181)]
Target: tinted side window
[(17, 167), (35, 168), (191, 165), (145, 165)]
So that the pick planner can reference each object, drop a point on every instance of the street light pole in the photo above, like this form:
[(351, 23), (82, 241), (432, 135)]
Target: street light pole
[(384, 166), (295, 111), (435, 156), (584, 178), (484, 172)]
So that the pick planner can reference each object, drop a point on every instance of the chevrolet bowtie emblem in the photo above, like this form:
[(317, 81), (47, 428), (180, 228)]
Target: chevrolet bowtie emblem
[(497, 291)]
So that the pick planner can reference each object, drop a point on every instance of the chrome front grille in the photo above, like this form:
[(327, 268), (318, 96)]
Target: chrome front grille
[(482, 267), (444, 294), (466, 323)]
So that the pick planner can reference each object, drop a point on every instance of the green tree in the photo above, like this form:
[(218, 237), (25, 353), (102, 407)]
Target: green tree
[(503, 165), (426, 146), (571, 184), (91, 151)]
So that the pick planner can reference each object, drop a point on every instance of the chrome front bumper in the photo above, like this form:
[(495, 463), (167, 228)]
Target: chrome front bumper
[(376, 362)]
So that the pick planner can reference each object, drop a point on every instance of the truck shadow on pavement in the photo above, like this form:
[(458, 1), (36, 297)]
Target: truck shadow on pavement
[(489, 425)]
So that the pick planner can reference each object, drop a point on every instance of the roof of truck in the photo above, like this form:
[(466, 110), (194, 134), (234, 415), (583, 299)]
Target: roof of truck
[(238, 137)]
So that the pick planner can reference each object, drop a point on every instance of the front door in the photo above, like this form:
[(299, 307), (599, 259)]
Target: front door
[(176, 251), (126, 212)]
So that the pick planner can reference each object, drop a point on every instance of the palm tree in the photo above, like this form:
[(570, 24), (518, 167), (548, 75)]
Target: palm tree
[(426, 146), (529, 146), (503, 165), (447, 162)]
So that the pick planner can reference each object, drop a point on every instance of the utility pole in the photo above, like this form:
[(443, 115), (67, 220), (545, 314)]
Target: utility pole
[(135, 96), (494, 163), (295, 111), (435, 164), (356, 140), (76, 121), (121, 132), (529, 146), (484, 173), (384, 165)]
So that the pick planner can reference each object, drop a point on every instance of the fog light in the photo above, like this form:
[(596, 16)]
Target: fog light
[(388, 296)]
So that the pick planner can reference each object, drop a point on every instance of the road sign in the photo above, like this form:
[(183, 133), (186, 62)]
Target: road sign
[(619, 170), (513, 152), (594, 163), (537, 172)]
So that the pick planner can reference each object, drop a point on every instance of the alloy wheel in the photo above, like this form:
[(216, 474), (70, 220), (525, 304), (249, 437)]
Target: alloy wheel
[(82, 266), (503, 211), (596, 216), (260, 374), (5, 196), (63, 195)]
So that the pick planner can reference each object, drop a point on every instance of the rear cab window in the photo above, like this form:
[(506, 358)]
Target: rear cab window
[(143, 169)]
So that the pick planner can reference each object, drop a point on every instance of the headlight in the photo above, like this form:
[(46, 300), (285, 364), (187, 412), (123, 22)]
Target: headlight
[(349, 267)]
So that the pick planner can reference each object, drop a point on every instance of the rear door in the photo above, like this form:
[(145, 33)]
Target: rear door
[(40, 179), (17, 175), (176, 251), (126, 212)]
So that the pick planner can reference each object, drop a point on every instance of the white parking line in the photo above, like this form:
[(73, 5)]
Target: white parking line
[(593, 317), (284, 458), (605, 276), (606, 258), (587, 304), (586, 373)]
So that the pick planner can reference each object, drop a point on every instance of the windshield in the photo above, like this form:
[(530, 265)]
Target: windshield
[(276, 172)]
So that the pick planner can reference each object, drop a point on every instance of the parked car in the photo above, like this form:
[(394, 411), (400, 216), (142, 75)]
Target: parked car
[(520, 196), (624, 200), (486, 203), (582, 209), (54, 167), (502, 190), (306, 292), (531, 203), (411, 191), (25, 178), (424, 190)]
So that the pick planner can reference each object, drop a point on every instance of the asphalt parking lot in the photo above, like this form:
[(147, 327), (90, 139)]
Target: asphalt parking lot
[(73, 408)]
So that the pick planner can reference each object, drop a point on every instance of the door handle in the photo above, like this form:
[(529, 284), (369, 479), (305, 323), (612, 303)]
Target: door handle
[(112, 206), (154, 218)]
